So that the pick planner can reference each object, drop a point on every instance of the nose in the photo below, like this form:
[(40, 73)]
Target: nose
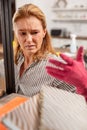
[(29, 37)]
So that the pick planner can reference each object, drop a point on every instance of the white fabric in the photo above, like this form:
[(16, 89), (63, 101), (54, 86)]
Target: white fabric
[(62, 110)]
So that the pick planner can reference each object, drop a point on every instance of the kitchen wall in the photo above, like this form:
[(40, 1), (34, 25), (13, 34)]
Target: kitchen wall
[(46, 6), (78, 28)]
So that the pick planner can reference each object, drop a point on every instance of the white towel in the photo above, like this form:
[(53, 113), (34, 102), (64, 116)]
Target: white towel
[(62, 110)]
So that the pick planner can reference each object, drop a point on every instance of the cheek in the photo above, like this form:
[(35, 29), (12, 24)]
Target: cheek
[(20, 39), (39, 42)]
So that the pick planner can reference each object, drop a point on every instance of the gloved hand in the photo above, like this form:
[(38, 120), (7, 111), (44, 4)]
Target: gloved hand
[(73, 72)]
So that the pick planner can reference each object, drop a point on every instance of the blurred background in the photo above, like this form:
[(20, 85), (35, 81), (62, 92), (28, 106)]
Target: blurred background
[(66, 23)]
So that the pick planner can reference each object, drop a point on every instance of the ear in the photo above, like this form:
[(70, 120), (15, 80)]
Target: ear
[(44, 33)]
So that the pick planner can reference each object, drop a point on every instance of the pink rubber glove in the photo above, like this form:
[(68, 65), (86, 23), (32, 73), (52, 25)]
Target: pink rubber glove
[(73, 72)]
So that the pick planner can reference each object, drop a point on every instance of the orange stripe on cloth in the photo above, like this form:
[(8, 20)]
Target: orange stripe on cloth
[(11, 105), (2, 127)]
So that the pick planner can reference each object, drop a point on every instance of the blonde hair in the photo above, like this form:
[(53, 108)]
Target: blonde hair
[(24, 12)]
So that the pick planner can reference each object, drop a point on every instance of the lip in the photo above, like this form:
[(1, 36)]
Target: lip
[(30, 46)]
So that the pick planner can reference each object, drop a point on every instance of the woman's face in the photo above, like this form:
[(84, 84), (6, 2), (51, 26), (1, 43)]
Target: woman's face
[(30, 34)]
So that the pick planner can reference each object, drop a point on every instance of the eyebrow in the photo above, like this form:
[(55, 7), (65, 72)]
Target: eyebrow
[(30, 30), (22, 30)]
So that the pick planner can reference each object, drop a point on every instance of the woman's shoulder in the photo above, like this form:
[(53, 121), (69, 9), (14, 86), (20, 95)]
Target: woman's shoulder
[(55, 57), (50, 55), (44, 61)]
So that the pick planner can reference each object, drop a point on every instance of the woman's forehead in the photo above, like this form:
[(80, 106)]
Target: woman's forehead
[(31, 22)]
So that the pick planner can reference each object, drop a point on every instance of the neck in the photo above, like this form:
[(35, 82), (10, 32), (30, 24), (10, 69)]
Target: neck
[(27, 61)]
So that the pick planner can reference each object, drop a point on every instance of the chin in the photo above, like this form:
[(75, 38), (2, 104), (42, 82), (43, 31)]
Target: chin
[(31, 52)]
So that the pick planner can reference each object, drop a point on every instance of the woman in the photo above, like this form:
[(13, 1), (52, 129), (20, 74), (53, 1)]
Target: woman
[(32, 51), (73, 72)]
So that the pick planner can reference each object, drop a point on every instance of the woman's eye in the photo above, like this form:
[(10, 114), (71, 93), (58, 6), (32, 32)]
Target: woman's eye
[(23, 33), (34, 33)]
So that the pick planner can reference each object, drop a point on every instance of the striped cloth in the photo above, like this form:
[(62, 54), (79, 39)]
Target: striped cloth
[(32, 80), (62, 110)]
